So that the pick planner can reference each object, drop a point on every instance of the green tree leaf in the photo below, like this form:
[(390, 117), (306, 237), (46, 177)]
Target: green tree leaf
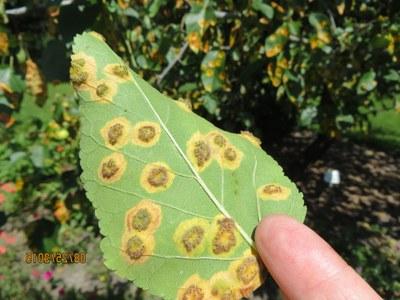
[(177, 198), (367, 83), (212, 68), (264, 8)]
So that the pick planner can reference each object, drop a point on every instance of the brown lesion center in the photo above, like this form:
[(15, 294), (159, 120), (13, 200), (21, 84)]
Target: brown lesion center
[(146, 133), (158, 176), (192, 238), (114, 133), (109, 169), (193, 292)]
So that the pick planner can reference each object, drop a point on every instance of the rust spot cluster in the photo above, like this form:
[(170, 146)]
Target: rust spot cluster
[(103, 88), (116, 134), (119, 131), (141, 222), (202, 149), (219, 237), (242, 277)]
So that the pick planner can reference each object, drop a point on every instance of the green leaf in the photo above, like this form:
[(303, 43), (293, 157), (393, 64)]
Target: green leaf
[(212, 68), (155, 7), (174, 194), (275, 43), (318, 21), (367, 83), (200, 18), (264, 8)]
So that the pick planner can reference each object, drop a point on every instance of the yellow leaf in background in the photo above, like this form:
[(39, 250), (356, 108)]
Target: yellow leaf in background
[(340, 8), (19, 184), (314, 42), (53, 11), (282, 63), (194, 41), (34, 79), (61, 212), (234, 32), (277, 7), (5, 88), (324, 37), (390, 47), (124, 4), (274, 51), (283, 30), (3, 43), (179, 3)]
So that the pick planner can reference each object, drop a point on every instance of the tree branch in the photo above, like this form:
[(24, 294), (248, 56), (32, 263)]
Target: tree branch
[(164, 73)]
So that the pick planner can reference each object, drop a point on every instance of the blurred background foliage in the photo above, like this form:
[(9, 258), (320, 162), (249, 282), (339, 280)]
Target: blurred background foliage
[(270, 67)]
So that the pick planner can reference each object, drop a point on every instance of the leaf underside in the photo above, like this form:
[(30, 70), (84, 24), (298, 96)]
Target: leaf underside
[(176, 197)]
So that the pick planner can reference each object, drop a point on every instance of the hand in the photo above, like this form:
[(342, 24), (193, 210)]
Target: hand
[(304, 265)]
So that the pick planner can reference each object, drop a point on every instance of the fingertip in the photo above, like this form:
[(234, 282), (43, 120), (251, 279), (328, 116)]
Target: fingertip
[(270, 228), (302, 263)]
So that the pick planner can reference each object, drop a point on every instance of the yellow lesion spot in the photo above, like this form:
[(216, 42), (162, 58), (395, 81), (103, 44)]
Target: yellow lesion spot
[(97, 36), (224, 287), (144, 217), (199, 151), (251, 138), (116, 132), (191, 235), (82, 71), (217, 141), (194, 288), (103, 91), (112, 167), (146, 134), (273, 191), (137, 247), (156, 177), (224, 237), (118, 72), (247, 273), (230, 157)]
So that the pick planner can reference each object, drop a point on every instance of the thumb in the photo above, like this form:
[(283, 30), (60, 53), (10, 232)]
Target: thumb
[(304, 265)]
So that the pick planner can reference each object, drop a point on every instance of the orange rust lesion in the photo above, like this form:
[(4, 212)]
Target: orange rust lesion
[(251, 138), (199, 151), (190, 237), (224, 287), (273, 191), (118, 72), (103, 91), (116, 132), (156, 177), (112, 167), (144, 217), (217, 139), (247, 272), (224, 237), (146, 133), (137, 247), (230, 157), (194, 288), (82, 71)]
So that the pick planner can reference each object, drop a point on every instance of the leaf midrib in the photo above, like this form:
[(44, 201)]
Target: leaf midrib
[(197, 176)]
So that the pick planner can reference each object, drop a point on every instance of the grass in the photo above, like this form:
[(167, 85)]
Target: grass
[(385, 131)]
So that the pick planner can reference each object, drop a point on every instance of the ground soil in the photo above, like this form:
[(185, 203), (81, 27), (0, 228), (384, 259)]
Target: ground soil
[(364, 209)]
